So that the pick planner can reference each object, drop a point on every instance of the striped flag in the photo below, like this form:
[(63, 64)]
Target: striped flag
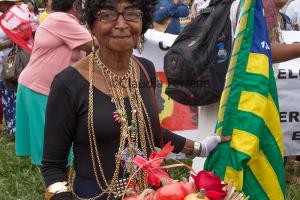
[(249, 112)]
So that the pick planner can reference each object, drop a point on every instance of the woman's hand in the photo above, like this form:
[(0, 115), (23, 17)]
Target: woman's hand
[(210, 143)]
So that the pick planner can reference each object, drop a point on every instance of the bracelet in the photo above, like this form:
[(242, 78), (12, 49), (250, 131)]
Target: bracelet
[(56, 188), (196, 149)]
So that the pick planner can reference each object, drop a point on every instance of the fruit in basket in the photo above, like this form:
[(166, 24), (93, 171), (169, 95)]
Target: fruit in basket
[(189, 187), (175, 191), (197, 196)]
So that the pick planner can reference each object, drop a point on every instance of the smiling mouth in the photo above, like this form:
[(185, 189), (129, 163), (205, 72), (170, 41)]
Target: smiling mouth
[(120, 37)]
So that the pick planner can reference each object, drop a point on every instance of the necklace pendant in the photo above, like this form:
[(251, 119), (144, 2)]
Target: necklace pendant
[(119, 116)]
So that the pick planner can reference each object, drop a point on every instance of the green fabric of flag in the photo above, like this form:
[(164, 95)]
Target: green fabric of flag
[(249, 112)]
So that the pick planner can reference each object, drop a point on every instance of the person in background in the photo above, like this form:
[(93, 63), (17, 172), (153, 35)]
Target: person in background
[(8, 97), (96, 97), (22, 5), (197, 6), (169, 12), (283, 20), (185, 20), (293, 11), (187, 2), (58, 42), (47, 11), (33, 15)]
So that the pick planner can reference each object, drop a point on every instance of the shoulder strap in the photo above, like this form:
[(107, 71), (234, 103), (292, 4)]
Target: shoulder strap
[(153, 99)]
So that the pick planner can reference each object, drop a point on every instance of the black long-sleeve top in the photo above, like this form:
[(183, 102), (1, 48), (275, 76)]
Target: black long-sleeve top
[(66, 124)]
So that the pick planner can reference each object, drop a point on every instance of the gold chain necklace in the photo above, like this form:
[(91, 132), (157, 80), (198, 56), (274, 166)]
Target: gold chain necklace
[(133, 138)]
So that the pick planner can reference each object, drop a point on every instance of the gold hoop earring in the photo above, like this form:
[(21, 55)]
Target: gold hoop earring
[(140, 46), (93, 44)]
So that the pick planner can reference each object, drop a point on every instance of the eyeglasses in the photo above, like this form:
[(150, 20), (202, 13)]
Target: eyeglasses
[(132, 15)]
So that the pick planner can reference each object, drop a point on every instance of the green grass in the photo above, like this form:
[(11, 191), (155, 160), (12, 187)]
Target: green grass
[(19, 180), (293, 192)]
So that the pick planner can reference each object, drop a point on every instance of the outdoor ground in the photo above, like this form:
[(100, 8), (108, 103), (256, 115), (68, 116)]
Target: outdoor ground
[(19, 180)]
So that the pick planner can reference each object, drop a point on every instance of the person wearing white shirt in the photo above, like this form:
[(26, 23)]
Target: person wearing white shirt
[(293, 11)]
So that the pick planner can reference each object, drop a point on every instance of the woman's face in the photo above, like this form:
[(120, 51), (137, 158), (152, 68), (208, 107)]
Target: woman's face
[(30, 6), (279, 3), (121, 34)]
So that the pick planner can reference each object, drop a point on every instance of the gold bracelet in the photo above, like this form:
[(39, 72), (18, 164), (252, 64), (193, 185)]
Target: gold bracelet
[(56, 188)]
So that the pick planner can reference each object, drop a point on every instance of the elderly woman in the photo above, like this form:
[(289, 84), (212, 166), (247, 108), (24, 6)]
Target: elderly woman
[(58, 43), (102, 107)]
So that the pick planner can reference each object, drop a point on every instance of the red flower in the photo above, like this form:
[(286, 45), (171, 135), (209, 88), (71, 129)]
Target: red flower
[(211, 183)]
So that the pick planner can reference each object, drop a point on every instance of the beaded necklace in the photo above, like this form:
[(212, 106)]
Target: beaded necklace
[(135, 136)]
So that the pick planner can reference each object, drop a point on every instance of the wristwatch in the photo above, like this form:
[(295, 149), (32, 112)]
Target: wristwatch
[(196, 149), (56, 188)]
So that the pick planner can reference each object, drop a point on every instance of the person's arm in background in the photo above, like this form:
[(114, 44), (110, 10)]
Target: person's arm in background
[(87, 47), (285, 52), (5, 44)]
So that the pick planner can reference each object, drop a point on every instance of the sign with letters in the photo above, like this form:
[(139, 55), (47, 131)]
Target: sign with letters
[(184, 119), (173, 116), (288, 85)]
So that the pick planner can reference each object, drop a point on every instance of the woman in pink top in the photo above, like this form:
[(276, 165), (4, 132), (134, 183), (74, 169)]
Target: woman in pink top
[(57, 42), (33, 15)]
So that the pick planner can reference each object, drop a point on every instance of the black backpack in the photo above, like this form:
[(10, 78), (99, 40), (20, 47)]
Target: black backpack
[(194, 76)]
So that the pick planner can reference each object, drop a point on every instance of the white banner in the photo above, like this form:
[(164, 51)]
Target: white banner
[(176, 117), (288, 85)]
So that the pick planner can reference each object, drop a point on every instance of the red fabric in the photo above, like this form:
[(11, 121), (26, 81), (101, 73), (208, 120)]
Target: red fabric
[(152, 167), (15, 23)]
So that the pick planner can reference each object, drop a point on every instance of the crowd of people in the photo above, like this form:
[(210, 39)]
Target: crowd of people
[(170, 13), (75, 101)]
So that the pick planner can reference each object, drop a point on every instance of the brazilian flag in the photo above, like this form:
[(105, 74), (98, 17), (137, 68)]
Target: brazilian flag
[(249, 112)]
